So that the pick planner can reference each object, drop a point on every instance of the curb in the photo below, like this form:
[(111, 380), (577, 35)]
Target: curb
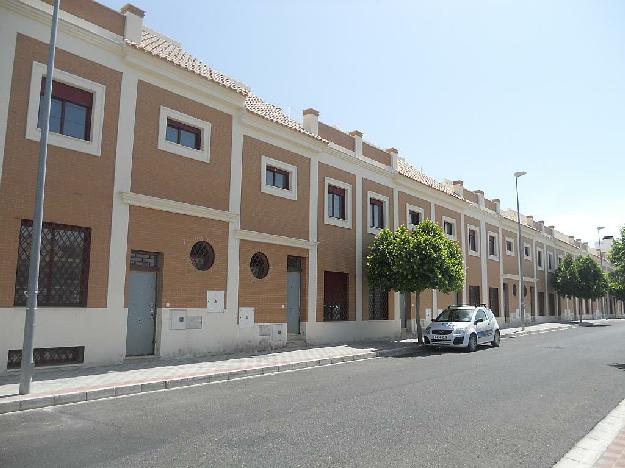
[(154, 386), (536, 332)]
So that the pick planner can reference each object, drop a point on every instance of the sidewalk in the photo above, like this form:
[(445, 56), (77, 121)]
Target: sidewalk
[(58, 386)]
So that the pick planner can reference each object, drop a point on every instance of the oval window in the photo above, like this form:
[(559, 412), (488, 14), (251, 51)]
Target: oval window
[(202, 255), (259, 265)]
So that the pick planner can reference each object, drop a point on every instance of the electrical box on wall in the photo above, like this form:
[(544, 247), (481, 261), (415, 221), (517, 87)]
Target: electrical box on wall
[(246, 317), (178, 319), (194, 322), (215, 301)]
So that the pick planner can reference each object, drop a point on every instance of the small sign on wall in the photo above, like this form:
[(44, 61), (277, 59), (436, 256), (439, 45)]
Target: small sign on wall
[(246, 317), (215, 301)]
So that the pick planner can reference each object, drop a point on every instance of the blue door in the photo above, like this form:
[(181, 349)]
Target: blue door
[(293, 280), (141, 312)]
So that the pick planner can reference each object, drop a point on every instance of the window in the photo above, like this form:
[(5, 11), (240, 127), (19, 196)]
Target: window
[(378, 212), (76, 110), (335, 296), (414, 215), (449, 226), (493, 300), (378, 304), (480, 314), (64, 267), (473, 241), (527, 252), (202, 255), (539, 259), (259, 265), (278, 178), (550, 265), (70, 110), (474, 295), (338, 203), (493, 246), (184, 135), (560, 257), (509, 246)]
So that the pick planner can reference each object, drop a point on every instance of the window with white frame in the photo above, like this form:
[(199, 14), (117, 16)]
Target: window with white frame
[(414, 216), (539, 259), (509, 246), (278, 178), (377, 213), (493, 246), (76, 112), (550, 264), (473, 240), (560, 257), (338, 203), (527, 251), (184, 135), (449, 227)]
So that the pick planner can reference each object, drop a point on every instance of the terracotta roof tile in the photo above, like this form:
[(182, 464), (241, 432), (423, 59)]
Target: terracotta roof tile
[(162, 47), (413, 173)]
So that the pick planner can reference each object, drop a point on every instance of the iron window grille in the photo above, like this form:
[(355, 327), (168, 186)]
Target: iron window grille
[(64, 265), (183, 134), (259, 265), (335, 312), (335, 296), (48, 356), (377, 213), (277, 178), (336, 202), (202, 255), (70, 110), (378, 304)]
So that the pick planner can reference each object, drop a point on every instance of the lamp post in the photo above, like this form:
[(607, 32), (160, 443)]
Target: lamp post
[(33, 269), (599, 228), (521, 254)]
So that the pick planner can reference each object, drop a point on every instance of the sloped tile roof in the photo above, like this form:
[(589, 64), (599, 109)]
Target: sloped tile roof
[(413, 173), (167, 49)]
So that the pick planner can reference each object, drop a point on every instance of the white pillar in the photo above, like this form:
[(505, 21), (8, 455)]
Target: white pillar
[(312, 234), (359, 233), (434, 292), (484, 260), (463, 245)]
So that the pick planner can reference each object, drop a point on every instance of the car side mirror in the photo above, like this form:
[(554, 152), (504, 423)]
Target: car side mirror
[(478, 321)]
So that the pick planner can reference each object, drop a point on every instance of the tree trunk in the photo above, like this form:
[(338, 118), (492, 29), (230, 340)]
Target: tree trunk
[(418, 320)]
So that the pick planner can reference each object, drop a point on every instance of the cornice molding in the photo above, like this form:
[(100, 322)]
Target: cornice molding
[(254, 236)]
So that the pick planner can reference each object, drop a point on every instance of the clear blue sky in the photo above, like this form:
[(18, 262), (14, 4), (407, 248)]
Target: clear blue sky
[(465, 89)]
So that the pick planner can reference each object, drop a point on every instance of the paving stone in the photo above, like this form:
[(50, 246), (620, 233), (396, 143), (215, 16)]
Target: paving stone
[(38, 402), (9, 406), (152, 386), (127, 389), (177, 383), (100, 393), (67, 398)]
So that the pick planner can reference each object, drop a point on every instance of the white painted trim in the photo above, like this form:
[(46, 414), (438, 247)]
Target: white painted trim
[(384, 200), (92, 147), (202, 154), (312, 234), (452, 221), (529, 249), (510, 252), (474, 253), (254, 236), (343, 223), (290, 193), (359, 248), (434, 292), (551, 268), (234, 204), (463, 247), (484, 262), (7, 56), (496, 236), (540, 265), (416, 209), (172, 206), (501, 298)]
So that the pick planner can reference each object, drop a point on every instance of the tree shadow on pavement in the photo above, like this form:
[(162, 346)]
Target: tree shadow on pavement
[(618, 366)]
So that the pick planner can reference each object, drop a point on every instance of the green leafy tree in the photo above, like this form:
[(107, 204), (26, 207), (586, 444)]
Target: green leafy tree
[(415, 260), (565, 278), (616, 278), (591, 281)]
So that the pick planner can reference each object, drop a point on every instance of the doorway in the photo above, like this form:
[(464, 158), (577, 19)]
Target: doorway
[(142, 295), (293, 293)]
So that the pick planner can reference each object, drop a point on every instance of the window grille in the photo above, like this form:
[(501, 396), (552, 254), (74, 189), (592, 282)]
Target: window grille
[(48, 356), (259, 265), (378, 304)]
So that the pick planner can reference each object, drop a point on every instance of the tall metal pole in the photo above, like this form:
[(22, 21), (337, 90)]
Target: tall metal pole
[(33, 270), (521, 249)]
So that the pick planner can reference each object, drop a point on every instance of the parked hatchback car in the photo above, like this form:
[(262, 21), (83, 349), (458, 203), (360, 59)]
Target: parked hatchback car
[(463, 327)]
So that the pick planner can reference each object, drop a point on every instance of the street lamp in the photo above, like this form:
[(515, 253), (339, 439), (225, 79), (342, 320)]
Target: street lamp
[(518, 218), (599, 228)]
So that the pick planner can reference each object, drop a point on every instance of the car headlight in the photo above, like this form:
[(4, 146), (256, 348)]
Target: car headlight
[(460, 331), (428, 329)]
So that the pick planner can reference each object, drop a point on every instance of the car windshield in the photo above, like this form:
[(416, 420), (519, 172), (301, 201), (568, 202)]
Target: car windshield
[(455, 315)]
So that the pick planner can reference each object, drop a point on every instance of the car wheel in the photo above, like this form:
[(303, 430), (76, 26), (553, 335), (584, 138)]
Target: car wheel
[(472, 347), (496, 339)]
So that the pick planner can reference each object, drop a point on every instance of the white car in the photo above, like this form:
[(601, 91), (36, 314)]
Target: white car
[(463, 327)]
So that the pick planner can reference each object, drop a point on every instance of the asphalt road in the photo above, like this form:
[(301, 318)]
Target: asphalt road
[(524, 404)]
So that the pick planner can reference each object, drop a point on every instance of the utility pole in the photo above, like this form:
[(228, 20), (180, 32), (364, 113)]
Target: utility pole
[(33, 270), (521, 250)]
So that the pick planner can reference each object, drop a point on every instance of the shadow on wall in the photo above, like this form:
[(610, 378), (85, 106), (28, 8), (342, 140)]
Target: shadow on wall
[(618, 366)]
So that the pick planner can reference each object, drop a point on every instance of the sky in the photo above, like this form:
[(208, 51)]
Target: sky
[(465, 89)]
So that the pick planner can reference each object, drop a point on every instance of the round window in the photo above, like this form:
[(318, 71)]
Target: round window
[(202, 255), (259, 265)]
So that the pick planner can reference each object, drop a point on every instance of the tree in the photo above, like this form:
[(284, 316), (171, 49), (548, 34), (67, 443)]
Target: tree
[(616, 278), (415, 260), (564, 278)]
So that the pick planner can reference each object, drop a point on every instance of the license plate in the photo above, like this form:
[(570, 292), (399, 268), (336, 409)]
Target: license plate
[(440, 338)]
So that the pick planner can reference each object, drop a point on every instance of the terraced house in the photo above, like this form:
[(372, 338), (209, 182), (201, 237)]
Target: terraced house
[(185, 215)]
